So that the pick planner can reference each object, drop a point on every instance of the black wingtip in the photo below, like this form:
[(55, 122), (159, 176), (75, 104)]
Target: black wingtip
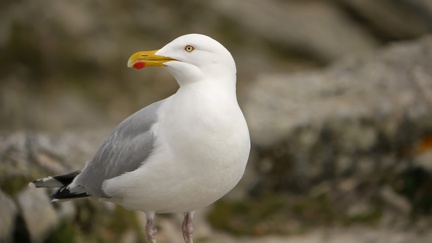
[(66, 179), (65, 193)]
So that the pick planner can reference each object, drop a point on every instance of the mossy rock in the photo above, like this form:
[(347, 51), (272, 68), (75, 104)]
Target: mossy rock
[(284, 215), (13, 185), (94, 223)]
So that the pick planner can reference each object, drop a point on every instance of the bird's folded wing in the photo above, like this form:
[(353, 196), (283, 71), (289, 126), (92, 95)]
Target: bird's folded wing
[(125, 150)]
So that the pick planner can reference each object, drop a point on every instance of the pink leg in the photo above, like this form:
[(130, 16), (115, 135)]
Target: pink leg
[(187, 227), (151, 231)]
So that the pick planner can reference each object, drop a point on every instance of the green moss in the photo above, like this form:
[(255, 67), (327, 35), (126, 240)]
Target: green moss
[(14, 184), (123, 220), (315, 211), (283, 215), (113, 226), (94, 223), (66, 233), (245, 217), (371, 218), (414, 184), (24, 47)]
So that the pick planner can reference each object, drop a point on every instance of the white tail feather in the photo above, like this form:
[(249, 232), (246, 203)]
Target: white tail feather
[(47, 182)]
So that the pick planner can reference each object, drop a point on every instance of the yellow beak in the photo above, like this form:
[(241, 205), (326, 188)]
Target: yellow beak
[(147, 59)]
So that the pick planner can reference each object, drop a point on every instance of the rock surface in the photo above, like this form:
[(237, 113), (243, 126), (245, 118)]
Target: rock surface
[(38, 213), (8, 212), (393, 85), (30, 216), (69, 56), (364, 118), (330, 134), (316, 36), (394, 19)]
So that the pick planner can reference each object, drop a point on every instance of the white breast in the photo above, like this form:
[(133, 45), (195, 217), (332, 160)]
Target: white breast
[(202, 147)]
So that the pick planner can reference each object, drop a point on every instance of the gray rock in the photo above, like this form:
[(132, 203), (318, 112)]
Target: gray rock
[(396, 80), (353, 118), (38, 213), (395, 201), (424, 160), (312, 27), (395, 19), (8, 212), (27, 154), (14, 155), (264, 36)]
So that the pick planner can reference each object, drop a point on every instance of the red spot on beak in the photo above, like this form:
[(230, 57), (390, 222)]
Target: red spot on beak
[(139, 65)]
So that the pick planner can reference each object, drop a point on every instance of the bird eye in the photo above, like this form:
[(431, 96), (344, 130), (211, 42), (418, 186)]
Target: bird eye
[(189, 48)]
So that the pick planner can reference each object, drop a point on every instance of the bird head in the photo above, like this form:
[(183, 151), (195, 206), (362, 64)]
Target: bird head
[(189, 58)]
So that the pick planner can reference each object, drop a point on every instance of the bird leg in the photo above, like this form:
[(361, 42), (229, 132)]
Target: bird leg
[(187, 227), (150, 230)]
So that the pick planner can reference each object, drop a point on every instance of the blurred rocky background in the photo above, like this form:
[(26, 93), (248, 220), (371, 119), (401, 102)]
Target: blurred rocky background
[(337, 94)]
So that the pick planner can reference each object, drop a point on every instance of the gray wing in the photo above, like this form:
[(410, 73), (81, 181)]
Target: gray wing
[(123, 151)]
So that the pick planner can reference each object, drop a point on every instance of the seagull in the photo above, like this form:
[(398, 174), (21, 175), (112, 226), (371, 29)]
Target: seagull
[(176, 155)]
